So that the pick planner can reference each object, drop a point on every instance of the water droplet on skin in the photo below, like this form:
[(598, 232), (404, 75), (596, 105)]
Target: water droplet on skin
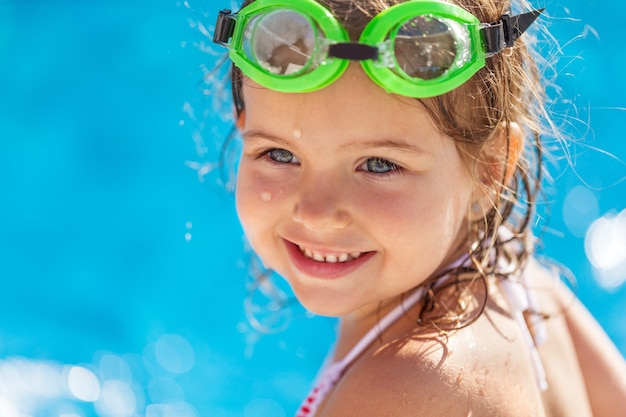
[(266, 196), (297, 133)]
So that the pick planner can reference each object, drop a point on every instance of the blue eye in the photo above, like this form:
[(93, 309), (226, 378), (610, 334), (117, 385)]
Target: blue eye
[(380, 166), (282, 156)]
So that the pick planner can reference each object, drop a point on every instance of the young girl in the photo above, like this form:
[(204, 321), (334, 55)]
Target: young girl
[(390, 164)]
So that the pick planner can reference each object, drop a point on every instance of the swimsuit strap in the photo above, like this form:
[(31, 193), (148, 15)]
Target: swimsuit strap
[(394, 315), (522, 299), (334, 371), (381, 326)]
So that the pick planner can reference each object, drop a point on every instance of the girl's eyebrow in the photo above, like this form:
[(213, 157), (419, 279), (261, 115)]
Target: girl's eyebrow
[(386, 143), (257, 134), (371, 144)]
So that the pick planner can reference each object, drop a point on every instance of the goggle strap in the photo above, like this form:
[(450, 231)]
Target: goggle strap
[(353, 51), (224, 28), (504, 32)]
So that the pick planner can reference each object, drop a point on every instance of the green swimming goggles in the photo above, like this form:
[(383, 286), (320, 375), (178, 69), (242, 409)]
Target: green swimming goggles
[(420, 48)]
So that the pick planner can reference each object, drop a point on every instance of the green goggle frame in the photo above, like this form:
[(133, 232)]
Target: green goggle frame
[(420, 48)]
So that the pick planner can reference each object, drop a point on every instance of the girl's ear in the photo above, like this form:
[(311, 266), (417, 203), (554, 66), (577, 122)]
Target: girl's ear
[(515, 148), (496, 167), (240, 119)]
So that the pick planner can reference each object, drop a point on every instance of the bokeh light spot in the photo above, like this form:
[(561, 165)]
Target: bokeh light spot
[(264, 407), (116, 400), (580, 209), (83, 384), (605, 246), (163, 390), (174, 353), (170, 410), (23, 382), (114, 367), (8, 409)]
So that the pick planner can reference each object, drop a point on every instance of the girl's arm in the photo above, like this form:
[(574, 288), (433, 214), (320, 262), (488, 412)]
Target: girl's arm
[(602, 365)]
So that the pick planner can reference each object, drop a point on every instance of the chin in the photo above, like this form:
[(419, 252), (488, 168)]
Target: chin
[(323, 302), (325, 311)]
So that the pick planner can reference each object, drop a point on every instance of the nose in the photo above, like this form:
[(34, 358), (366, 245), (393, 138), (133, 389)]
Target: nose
[(321, 206)]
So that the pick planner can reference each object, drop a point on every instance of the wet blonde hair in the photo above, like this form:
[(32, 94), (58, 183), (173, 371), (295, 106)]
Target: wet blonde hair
[(507, 91)]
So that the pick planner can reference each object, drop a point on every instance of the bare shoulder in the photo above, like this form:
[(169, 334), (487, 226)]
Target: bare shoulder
[(481, 370), (486, 369)]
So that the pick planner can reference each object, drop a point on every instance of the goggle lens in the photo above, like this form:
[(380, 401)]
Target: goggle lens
[(416, 48), (282, 42), (427, 47)]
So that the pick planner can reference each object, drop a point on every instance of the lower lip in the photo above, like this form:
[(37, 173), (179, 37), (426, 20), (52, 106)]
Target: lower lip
[(324, 270)]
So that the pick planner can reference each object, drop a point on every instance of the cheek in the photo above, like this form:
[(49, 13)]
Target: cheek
[(256, 197), (247, 197), (423, 203), (429, 213)]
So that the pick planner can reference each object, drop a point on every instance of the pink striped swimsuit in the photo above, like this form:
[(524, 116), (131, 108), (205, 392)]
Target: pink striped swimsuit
[(518, 296)]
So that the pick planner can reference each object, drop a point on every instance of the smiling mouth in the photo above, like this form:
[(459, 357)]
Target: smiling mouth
[(331, 258), (326, 264)]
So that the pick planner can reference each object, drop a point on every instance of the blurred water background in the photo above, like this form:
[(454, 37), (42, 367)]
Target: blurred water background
[(122, 263)]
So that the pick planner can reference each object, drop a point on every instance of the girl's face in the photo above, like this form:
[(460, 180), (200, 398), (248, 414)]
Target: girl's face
[(350, 193)]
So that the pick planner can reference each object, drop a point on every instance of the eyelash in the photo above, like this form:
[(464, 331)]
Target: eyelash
[(266, 154), (395, 169)]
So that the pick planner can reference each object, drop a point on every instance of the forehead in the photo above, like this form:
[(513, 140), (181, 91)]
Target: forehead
[(351, 108)]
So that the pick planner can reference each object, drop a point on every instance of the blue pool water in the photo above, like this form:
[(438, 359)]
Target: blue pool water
[(122, 266)]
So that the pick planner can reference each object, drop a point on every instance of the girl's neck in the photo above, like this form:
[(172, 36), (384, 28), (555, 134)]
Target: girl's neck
[(354, 326)]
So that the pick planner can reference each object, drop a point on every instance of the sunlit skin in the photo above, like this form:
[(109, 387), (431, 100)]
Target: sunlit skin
[(336, 173), (353, 172)]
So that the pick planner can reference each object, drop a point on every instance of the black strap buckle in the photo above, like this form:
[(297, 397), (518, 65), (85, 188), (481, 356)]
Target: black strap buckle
[(504, 32), (224, 28)]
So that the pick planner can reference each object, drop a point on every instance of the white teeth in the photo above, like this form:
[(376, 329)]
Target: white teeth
[(331, 258)]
